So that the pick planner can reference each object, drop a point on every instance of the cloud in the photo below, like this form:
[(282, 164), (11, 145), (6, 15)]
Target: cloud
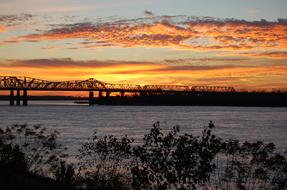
[(180, 32), (273, 55), (204, 60), (11, 22), (190, 64), (70, 63), (148, 14), (14, 19), (2, 28)]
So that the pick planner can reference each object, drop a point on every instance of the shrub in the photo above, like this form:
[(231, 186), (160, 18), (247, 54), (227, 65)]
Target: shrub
[(251, 166), (164, 160), (105, 162), (30, 156), (37, 149), (173, 161)]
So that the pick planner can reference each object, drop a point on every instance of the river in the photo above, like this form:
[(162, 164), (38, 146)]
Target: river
[(77, 122)]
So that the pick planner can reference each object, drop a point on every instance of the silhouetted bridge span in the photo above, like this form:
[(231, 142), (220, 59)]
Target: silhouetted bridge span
[(18, 84)]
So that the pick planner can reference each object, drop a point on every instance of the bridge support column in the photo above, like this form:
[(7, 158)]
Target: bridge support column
[(108, 94), (122, 93), (25, 97), (11, 98), (142, 94), (91, 98), (18, 97), (100, 94)]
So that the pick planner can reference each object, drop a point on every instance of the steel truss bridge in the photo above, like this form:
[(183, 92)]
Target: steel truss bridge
[(12, 83)]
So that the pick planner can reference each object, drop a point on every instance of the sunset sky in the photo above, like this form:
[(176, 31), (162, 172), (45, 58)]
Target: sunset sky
[(239, 43)]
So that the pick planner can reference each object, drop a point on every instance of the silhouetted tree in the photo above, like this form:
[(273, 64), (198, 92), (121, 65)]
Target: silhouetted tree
[(40, 148), (12, 159), (105, 162), (64, 173), (31, 158), (168, 161), (251, 166)]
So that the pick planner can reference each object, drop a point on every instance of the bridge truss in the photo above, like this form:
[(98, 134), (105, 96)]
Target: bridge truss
[(28, 83)]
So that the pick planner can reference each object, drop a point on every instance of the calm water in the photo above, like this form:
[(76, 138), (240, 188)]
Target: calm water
[(77, 122)]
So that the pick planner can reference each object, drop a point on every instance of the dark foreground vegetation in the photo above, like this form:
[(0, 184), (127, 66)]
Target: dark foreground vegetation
[(264, 99), (31, 158)]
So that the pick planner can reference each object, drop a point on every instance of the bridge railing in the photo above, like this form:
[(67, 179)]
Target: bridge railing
[(212, 89), (166, 88)]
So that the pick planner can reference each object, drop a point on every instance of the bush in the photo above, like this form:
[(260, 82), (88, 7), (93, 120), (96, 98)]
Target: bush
[(32, 155), (105, 163), (164, 160), (251, 166), (173, 161), (39, 147), (12, 159), (182, 161)]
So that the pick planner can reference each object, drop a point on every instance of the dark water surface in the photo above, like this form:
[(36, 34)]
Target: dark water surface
[(77, 122)]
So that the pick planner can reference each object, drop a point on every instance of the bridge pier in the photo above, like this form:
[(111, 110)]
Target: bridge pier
[(91, 98), (18, 98), (142, 94), (122, 93), (11, 97), (100, 94), (25, 97), (108, 94)]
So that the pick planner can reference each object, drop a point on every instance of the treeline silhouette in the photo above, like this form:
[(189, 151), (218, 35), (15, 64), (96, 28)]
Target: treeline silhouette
[(31, 97), (271, 99), (244, 98), (32, 158)]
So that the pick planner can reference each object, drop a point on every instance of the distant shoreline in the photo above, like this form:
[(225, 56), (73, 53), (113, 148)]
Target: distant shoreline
[(241, 99)]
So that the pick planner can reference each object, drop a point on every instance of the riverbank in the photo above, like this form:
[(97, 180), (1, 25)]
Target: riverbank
[(242, 99), (202, 99)]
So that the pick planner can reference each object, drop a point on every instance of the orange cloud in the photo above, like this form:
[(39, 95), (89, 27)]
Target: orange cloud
[(2, 28), (179, 32), (8, 22), (274, 55)]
